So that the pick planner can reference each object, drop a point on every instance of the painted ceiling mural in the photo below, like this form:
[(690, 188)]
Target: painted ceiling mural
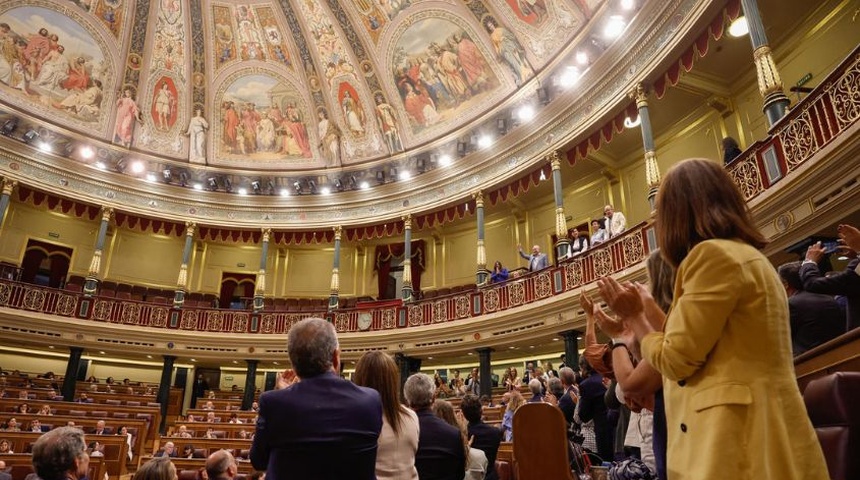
[(274, 84)]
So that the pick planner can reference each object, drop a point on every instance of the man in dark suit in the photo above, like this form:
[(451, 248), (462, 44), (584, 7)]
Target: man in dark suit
[(537, 260), (61, 454), (322, 427), (484, 437), (814, 318), (593, 407), (846, 282), (199, 390), (566, 403), (440, 454), (4, 475)]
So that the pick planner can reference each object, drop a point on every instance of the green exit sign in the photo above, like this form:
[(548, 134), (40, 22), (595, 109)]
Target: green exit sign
[(803, 80)]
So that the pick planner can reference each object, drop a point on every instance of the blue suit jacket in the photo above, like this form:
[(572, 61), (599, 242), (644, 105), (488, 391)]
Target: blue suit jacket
[(440, 454), (323, 427)]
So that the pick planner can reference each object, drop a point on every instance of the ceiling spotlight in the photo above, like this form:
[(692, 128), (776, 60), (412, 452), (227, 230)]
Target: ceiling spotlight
[(45, 147), (312, 186), (30, 136), (485, 141), (9, 126), (581, 58), (183, 179), (364, 185), (543, 95), (298, 186), (270, 185), (137, 167), (198, 186), (632, 123), (325, 190), (445, 160), (628, 4), (739, 27), (569, 77), (380, 176), (101, 165), (242, 191), (462, 148), (285, 192), (614, 26), (405, 175), (502, 126), (338, 185), (526, 113), (150, 177), (228, 184), (213, 183), (255, 186)]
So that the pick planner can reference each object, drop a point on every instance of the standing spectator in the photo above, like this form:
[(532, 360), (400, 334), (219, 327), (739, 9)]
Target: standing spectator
[(614, 221), (537, 260), (300, 427), (730, 149), (536, 388), (484, 437), (593, 407), (845, 283), (398, 441), (578, 242), (199, 390), (473, 383), (499, 273), (598, 233), (440, 454), (515, 401), (567, 402), (61, 454), (814, 318)]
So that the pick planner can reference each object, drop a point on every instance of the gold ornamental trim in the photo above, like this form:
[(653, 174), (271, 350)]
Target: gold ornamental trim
[(652, 169), (769, 81)]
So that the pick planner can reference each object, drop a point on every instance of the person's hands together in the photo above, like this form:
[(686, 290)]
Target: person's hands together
[(623, 299), (815, 252), (550, 399), (607, 324), (285, 379)]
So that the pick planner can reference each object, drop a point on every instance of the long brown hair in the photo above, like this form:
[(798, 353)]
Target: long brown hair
[(445, 411), (378, 371), (698, 201), (661, 275)]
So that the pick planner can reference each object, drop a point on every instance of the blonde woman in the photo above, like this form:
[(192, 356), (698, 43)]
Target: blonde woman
[(515, 401)]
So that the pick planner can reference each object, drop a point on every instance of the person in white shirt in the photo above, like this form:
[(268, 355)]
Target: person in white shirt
[(615, 221)]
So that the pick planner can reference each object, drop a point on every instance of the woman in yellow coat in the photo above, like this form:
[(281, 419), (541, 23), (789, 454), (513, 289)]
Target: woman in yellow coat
[(733, 407)]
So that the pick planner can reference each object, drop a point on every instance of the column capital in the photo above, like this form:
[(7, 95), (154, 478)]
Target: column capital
[(252, 361), (107, 213), (338, 231), (267, 232), (485, 350), (478, 195), (554, 160), (190, 229), (407, 221), (640, 95), (570, 333), (9, 185), (169, 357)]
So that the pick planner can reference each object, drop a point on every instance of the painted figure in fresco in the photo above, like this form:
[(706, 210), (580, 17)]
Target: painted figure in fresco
[(509, 50), (86, 103), (77, 77), (165, 104), (536, 7), (250, 119), (419, 107), (266, 134), (38, 46), (56, 69), (196, 133), (386, 120), (295, 125), (352, 114), (230, 123), (7, 46), (472, 61), (127, 113), (449, 66), (329, 140)]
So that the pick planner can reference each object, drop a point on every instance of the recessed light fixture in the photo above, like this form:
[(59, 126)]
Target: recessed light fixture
[(51, 347), (235, 361), (429, 358), (531, 346), (45, 147), (102, 352), (277, 363), (628, 4), (614, 26), (739, 27), (569, 77), (325, 190), (150, 177), (364, 185), (149, 356), (87, 153), (137, 167), (526, 113), (242, 191), (198, 186), (512, 347), (579, 337), (581, 58), (469, 353), (445, 160), (405, 175), (193, 359), (101, 165), (485, 141)]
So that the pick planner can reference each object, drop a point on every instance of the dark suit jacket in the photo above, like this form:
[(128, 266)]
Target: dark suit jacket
[(440, 453), (567, 407), (323, 427), (487, 439), (593, 407), (815, 319), (5, 476), (845, 283)]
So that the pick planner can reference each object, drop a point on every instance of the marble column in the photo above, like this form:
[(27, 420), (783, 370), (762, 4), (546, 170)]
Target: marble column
[(483, 275), (407, 259), (652, 169), (250, 384), (164, 390), (769, 81), (182, 281), (562, 243), (92, 281), (335, 271), (6, 198), (71, 378), (571, 348), (485, 371), (260, 291)]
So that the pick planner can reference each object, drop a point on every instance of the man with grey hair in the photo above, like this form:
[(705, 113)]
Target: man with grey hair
[(4, 475), (535, 387), (440, 454), (61, 454), (221, 466), (303, 426), (567, 403)]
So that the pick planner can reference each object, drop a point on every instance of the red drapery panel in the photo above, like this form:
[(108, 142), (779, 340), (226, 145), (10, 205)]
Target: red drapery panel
[(382, 265)]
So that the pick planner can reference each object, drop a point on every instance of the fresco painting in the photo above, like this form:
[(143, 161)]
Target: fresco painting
[(263, 118), (163, 109), (49, 59), (439, 72)]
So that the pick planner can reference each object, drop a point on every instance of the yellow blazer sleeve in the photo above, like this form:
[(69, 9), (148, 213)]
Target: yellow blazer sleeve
[(707, 288)]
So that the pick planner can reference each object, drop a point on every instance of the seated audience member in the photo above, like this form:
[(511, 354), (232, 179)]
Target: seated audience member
[(815, 318), (301, 426), (45, 410), (499, 273), (730, 149), (23, 408), (182, 432), (4, 474), (255, 407), (24, 395), (536, 388), (476, 460), (190, 418), (515, 401), (537, 260), (211, 395), (109, 381), (61, 454), (487, 401), (221, 465), (5, 446), (160, 468), (123, 432), (845, 283), (187, 451), (234, 418), (398, 440), (11, 425), (84, 398), (243, 434), (209, 406), (598, 233), (35, 426), (210, 433), (578, 242), (94, 449), (211, 418), (101, 429), (169, 450), (92, 379), (614, 221), (441, 453), (483, 437)]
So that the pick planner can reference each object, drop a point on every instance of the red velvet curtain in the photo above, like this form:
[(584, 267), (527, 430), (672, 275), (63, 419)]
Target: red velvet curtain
[(384, 254), (236, 285), (58, 262)]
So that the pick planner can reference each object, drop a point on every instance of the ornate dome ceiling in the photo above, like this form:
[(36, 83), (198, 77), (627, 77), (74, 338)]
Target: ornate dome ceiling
[(276, 85)]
